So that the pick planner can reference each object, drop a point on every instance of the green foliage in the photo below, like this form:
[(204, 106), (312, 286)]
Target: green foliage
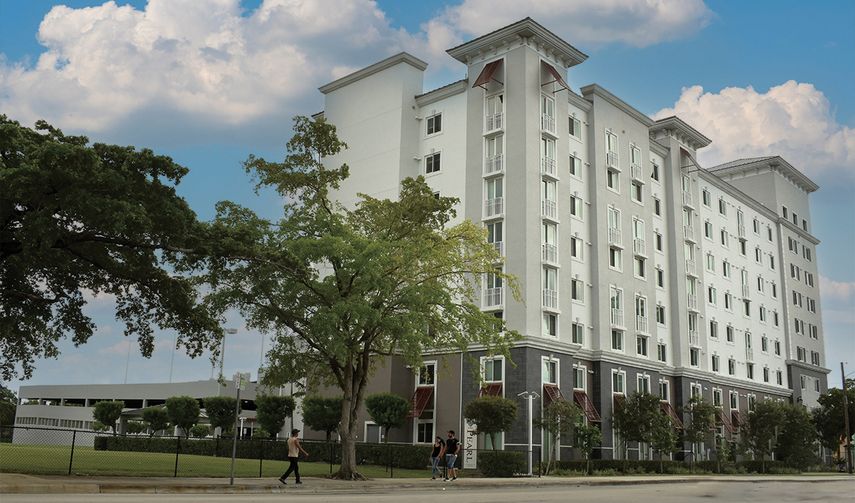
[(221, 412), (636, 416), (587, 438), (759, 433), (108, 412), (200, 431), (701, 420), (135, 427), (99, 218), (183, 412), (828, 418), (8, 405), (156, 419), (99, 426), (271, 412), (557, 419), (502, 463), (341, 288), (491, 415), (662, 436), (797, 438), (322, 414), (387, 410)]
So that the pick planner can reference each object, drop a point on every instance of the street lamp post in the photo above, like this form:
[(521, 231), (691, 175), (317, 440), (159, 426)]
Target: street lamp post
[(848, 439), (227, 331), (529, 396)]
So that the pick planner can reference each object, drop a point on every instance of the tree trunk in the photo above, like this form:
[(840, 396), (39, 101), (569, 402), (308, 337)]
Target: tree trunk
[(354, 381), (661, 467)]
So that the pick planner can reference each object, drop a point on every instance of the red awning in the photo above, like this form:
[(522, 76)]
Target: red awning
[(421, 399), (555, 75), (618, 400), (486, 74), (492, 389), (669, 411), (551, 393), (586, 404), (736, 417), (724, 419)]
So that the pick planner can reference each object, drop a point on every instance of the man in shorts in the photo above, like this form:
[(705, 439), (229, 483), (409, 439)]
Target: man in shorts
[(452, 447)]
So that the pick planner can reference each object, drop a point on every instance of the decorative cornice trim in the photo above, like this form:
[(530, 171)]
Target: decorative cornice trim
[(602, 92), (401, 57), (441, 93)]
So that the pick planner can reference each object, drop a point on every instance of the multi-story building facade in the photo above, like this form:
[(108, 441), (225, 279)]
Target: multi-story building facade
[(639, 269)]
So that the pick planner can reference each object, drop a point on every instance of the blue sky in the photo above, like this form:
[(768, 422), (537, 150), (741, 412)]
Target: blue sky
[(774, 77)]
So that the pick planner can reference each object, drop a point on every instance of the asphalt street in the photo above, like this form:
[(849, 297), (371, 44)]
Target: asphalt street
[(732, 492)]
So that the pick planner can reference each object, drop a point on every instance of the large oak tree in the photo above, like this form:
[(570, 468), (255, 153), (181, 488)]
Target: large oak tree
[(341, 288)]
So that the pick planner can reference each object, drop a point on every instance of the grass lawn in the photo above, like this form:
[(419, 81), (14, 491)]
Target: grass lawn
[(49, 459)]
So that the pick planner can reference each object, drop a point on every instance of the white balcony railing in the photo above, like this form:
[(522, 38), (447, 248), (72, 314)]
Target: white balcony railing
[(745, 291), (615, 236), (687, 199), (493, 296), (694, 338), (616, 317), (691, 268), (547, 123), (740, 229), (547, 166), (500, 247), (550, 299), (549, 209), (692, 302), (612, 160), (549, 253), (641, 323), (494, 121), (689, 232), (749, 354), (493, 207), (494, 164), (636, 172), (639, 246)]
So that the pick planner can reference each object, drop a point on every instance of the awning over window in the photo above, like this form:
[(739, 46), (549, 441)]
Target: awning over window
[(587, 405), (737, 418), (487, 73), (491, 389), (551, 393), (669, 411), (618, 400), (557, 78), (421, 399), (724, 419)]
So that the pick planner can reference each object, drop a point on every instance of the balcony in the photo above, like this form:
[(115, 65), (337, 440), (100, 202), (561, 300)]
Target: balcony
[(740, 229), (550, 299), (615, 236), (691, 268), (494, 122), (549, 209), (616, 318), (636, 172), (639, 247), (745, 291), (547, 167), (494, 207), (749, 354), (494, 164), (689, 233), (547, 123), (492, 297), (641, 324), (692, 302), (500, 247), (694, 339), (612, 160), (549, 253), (688, 200)]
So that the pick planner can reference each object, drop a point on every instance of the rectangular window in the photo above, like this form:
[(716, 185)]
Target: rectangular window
[(734, 400), (694, 357), (715, 363), (708, 229), (577, 290), (660, 314), (579, 377), (722, 206), (578, 333), (778, 348), (729, 331), (664, 391), (637, 192), (717, 397), (657, 206), (613, 179), (493, 368), (432, 163), (576, 206), (659, 242), (662, 352), (618, 380), (615, 258), (731, 366), (660, 278), (575, 166), (654, 170), (714, 329), (550, 324), (575, 126), (617, 340), (640, 267), (642, 383), (550, 372), (705, 197), (765, 374), (641, 345), (749, 370), (576, 245), (434, 124), (779, 377)]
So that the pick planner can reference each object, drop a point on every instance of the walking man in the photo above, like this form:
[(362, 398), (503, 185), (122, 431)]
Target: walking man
[(294, 450), (452, 447)]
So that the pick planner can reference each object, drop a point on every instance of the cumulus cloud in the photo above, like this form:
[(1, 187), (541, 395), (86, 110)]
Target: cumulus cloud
[(181, 69), (837, 291), (793, 120)]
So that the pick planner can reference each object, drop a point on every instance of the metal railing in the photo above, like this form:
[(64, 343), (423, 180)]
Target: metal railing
[(612, 160), (550, 298), (692, 301), (494, 207), (694, 338), (499, 246), (639, 246), (493, 164), (549, 253), (745, 291), (687, 199), (549, 209), (615, 237), (547, 166), (689, 233), (740, 229), (616, 317), (547, 123), (749, 354), (636, 172), (494, 122), (493, 296), (641, 323), (691, 268)]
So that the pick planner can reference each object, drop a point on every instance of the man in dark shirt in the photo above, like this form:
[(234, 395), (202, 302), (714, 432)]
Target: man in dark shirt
[(452, 447)]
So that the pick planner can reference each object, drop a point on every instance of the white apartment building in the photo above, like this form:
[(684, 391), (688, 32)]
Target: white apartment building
[(640, 269)]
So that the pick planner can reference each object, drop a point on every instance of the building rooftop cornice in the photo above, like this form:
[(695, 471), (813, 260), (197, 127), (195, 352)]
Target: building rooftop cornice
[(524, 29), (598, 90), (579, 101), (676, 125), (445, 91), (774, 162), (401, 57)]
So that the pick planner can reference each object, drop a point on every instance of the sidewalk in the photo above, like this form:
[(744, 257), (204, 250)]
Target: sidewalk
[(11, 483)]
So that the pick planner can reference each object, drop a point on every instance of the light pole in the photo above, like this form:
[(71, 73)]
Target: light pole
[(530, 396), (848, 439), (227, 331), (240, 381)]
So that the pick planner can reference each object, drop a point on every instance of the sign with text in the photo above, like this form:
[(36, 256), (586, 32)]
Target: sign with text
[(470, 445), (241, 379)]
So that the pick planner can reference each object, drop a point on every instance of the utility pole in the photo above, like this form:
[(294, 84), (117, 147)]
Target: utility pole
[(848, 440), (529, 396), (239, 383), (227, 331)]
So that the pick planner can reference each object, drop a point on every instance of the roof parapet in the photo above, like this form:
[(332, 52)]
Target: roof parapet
[(401, 57), (684, 132)]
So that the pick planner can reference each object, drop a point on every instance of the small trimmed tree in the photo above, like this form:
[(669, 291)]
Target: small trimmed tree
[(200, 431), (221, 412), (135, 427), (635, 417), (492, 415), (183, 412), (663, 437), (588, 437), (760, 432), (387, 410), (701, 422), (108, 412), (322, 414), (558, 418), (156, 419), (828, 418), (271, 412), (797, 438)]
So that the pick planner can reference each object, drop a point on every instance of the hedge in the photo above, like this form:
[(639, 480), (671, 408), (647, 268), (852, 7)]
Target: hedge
[(502, 463), (652, 466)]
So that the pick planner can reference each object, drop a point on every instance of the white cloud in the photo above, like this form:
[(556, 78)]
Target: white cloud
[(181, 69), (837, 291), (793, 120)]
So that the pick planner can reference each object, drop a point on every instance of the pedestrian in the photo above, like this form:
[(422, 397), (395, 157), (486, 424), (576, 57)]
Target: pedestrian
[(452, 447), (294, 450), (436, 456)]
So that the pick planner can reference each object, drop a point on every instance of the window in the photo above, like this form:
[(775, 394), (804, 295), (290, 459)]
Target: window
[(718, 400), (775, 318), (660, 314), (636, 192), (495, 191), (654, 170), (749, 370), (729, 331), (550, 371), (547, 110), (662, 352), (494, 235), (613, 179), (577, 333), (714, 329), (617, 340), (756, 226), (434, 124), (743, 248), (777, 347), (576, 247), (779, 377), (493, 369), (765, 374), (715, 363), (427, 374), (657, 206), (694, 357), (664, 390), (758, 255), (432, 163), (722, 206), (576, 206), (579, 378), (611, 143), (710, 262), (659, 245), (424, 432), (764, 344), (725, 268), (696, 390), (769, 233), (575, 166), (725, 238), (731, 366), (708, 229), (728, 301), (734, 400), (550, 324), (784, 211), (615, 258), (660, 278), (640, 267), (642, 383), (618, 381), (641, 345), (576, 290), (705, 197), (575, 127), (494, 109)]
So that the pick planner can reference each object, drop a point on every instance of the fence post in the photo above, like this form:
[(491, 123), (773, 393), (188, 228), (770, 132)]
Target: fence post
[(260, 457), (177, 450), (71, 458), (391, 463)]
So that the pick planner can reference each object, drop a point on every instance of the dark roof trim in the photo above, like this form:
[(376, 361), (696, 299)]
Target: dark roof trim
[(441, 93)]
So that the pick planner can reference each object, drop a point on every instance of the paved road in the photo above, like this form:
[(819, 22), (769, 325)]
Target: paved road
[(732, 492)]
